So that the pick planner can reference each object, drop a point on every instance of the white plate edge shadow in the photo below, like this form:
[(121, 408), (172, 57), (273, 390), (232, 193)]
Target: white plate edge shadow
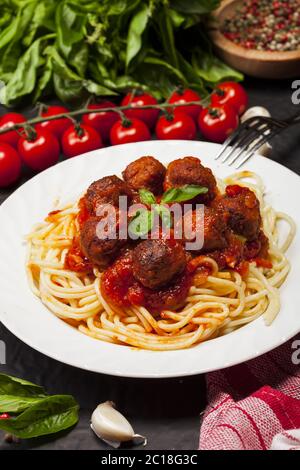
[(154, 364)]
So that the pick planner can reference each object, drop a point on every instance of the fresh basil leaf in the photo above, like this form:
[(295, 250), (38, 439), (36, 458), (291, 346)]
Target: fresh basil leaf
[(167, 36), (69, 91), (70, 25), (177, 18), (147, 197), (165, 215), (96, 89), (43, 12), (23, 80), (183, 193), (15, 30), (17, 404), (10, 385), (47, 416), (44, 80), (212, 69), (141, 224), (78, 58), (136, 28)]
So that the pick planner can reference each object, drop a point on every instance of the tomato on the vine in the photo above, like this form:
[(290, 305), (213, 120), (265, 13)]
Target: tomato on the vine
[(56, 126), (139, 98), (186, 96), (10, 165), (103, 121), (176, 126), (216, 123), (9, 120), (80, 138), (231, 93), (39, 149), (126, 131)]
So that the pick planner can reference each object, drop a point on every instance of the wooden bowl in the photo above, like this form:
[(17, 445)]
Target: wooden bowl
[(262, 64)]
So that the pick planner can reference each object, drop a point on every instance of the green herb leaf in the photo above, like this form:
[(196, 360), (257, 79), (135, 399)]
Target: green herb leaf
[(165, 215), (183, 193), (211, 69), (16, 394), (13, 385), (47, 416), (141, 224), (147, 197), (136, 29)]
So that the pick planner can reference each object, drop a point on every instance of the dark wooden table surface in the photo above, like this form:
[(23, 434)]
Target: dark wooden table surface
[(167, 410)]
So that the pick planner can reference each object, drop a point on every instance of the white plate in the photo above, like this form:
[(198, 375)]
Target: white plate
[(27, 318)]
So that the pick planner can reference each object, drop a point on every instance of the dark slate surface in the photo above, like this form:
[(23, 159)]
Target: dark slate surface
[(166, 411)]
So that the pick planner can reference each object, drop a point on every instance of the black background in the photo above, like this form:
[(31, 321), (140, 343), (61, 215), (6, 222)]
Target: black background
[(167, 411)]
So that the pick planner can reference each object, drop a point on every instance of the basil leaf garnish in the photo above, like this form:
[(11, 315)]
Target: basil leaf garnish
[(142, 223), (183, 193), (164, 214), (147, 197)]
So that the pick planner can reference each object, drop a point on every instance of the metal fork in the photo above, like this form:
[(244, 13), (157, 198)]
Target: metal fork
[(242, 144)]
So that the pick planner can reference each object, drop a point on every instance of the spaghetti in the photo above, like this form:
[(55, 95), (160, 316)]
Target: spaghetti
[(225, 302)]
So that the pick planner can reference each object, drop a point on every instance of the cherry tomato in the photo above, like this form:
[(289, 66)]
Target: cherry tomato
[(148, 116), (57, 126), (9, 120), (179, 126), (218, 122), (134, 130), (40, 151), (186, 96), (79, 139), (10, 165), (102, 122), (231, 93)]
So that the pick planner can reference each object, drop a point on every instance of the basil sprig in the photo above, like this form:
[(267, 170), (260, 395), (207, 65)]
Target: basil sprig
[(147, 197), (143, 221), (141, 224), (183, 193), (33, 412)]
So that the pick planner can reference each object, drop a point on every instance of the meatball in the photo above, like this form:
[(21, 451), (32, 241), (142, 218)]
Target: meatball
[(156, 262), (211, 223), (107, 190), (100, 251), (189, 170), (146, 172), (243, 210)]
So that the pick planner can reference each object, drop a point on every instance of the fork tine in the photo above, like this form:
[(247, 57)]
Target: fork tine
[(260, 134), (246, 139), (243, 143), (241, 130), (225, 146), (230, 140), (256, 130), (262, 141)]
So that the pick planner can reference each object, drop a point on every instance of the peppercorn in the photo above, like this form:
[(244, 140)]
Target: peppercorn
[(253, 23)]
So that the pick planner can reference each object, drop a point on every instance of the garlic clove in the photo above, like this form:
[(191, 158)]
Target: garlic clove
[(255, 111), (111, 426), (266, 148)]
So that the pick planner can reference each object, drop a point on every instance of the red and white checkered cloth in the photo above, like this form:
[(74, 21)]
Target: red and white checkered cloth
[(255, 405)]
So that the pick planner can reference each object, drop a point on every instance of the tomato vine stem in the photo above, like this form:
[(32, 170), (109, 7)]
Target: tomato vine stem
[(82, 111)]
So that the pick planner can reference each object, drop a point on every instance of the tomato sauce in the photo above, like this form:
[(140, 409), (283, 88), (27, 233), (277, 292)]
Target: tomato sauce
[(83, 214), (75, 259), (120, 288)]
